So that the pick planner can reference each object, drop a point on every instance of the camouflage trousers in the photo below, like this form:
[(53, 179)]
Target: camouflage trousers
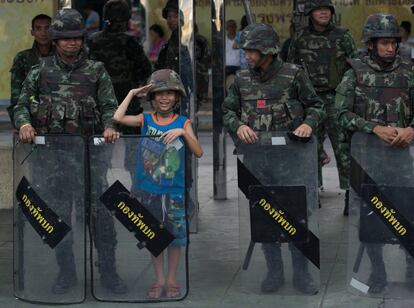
[(339, 140), (63, 188)]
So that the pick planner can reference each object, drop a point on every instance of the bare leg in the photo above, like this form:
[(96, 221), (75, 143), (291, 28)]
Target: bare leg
[(156, 289), (173, 289), (158, 263), (173, 262)]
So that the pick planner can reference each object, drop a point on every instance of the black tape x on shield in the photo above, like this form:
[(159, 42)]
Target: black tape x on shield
[(309, 247)]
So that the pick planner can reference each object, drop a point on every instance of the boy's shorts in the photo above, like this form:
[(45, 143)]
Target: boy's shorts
[(170, 212)]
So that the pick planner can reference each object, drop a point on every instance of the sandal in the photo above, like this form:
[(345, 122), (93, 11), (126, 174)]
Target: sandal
[(155, 291), (173, 290)]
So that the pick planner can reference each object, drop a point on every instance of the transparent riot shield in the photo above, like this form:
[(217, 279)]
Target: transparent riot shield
[(381, 230), (188, 103), (278, 208), (138, 220), (49, 220)]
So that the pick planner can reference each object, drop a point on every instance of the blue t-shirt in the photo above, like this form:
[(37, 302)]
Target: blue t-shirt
[(160, 166)]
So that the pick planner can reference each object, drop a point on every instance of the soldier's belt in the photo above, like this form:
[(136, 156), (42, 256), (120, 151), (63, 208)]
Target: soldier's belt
[(296, 232), (51, 228), (380, 204)]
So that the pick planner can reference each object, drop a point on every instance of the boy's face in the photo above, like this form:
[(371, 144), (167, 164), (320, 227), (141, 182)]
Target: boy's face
[(39, 31), (165, 101)]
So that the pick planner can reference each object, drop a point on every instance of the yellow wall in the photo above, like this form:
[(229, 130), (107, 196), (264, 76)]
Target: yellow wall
[(350, 13), (15, 25)]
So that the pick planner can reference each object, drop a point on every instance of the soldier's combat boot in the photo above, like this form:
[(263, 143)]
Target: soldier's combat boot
[(274, 278), (346, 207), (409, 274), (109, 276), (378, 277), (66, 278), (302, 279)]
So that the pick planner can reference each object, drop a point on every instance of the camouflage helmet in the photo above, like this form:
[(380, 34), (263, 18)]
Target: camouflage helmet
[(380, 25), (260, 37), (116, 11), (67, 23), (164, 80), (171, 5), (315, 4)]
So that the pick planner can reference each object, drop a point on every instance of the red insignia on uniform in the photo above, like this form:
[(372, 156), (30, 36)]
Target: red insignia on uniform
[(261, 103)]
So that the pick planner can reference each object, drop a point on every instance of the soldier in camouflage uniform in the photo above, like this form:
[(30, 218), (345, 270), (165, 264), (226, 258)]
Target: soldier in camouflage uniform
[(169, 56), (24, 60), (272, 96), (122, 55), (322, 48), (202, 58), (376, 96), (67, 93)]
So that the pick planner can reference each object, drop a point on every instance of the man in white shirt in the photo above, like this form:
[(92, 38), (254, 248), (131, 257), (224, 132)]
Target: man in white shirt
[(232, 54)]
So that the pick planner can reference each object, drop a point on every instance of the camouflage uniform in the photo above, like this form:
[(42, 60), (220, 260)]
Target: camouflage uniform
[(22, 64), (202, 57), (75, 98), (371, 95), (122, 55), (323, 55), (289, 100), (174, 55), (168, 58)]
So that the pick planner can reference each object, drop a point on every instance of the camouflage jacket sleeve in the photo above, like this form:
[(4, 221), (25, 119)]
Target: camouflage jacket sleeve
[(345, 100), (30, 90), (232, 109), (107, 102), (18, 75), (412, 103), (348, 45), (291, 57), (313, 105), (142, 66)]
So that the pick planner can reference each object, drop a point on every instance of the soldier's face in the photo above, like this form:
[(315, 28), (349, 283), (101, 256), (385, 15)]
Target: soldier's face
[(321, 16), (39, 31), (69, 47), (172, 19), (164, 101), (386, 47), (253, 57)]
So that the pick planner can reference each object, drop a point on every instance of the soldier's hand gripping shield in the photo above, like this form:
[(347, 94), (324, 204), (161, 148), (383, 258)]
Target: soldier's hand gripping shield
[(381, 216), (49, 220), (141, 219), (278, 206)]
